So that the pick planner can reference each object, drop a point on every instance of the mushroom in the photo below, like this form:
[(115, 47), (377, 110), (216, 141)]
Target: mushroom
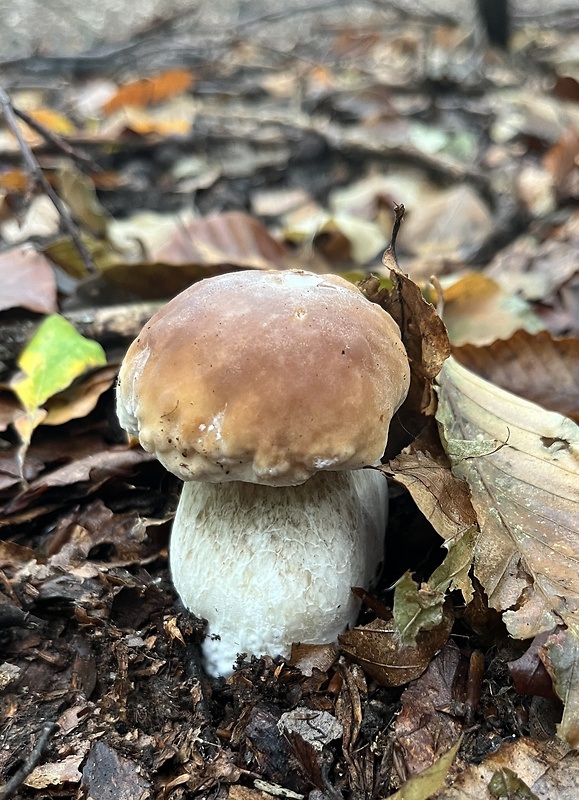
[(267, 392)]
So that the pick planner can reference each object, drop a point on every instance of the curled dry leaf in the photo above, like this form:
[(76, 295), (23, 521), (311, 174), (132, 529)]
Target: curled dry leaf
[(444, 499), (538, 367), (420, 608), (521, 464), (422, 330), (80, 398), (379, 649)]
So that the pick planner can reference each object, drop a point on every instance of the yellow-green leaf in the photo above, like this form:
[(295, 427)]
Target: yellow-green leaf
[(53, 358)]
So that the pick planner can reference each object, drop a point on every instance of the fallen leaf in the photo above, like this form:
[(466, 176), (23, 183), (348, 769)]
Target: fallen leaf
[(81, 397), (55, 774), (79, 193), (420, 608), (548, 768), (377, 647), (148, 91), (426, 726), (521, 464), (477, 311), (444, 499), (52, 120), (422, 330), (27, 280), (229, 239), (560, 654), (447, 228), (109, 776), (528, 672), (52, 359), (539, 367)]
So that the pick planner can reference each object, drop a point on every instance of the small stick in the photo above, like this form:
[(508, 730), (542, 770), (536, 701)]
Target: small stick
[(36, 172), (9, 789)]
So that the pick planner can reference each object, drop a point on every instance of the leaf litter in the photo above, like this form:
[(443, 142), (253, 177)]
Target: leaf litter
[(348, 129)]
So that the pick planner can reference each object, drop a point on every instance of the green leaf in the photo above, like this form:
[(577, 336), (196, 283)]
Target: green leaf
[(416, 608), (419, 608), (52, 359), (506, 785)]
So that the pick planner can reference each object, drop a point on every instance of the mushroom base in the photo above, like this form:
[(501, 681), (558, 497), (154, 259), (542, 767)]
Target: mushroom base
[(267, 567)]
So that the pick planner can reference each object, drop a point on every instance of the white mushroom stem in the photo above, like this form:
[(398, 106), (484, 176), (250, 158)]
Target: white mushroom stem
[(271, 566)]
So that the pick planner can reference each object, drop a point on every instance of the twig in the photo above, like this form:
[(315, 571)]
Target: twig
[(9, 789), (36, 172), (56, 140)]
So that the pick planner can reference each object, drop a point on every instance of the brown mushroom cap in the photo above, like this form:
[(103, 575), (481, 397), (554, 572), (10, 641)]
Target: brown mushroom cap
[(265, 377)]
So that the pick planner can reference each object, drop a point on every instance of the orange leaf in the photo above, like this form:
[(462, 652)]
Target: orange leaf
[(148, 91), (14, 180)]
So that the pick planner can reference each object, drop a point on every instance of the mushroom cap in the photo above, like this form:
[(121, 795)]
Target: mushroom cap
[(264, 377)]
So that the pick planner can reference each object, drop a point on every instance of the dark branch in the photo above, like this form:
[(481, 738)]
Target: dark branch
[(13, 785), (35, 170)]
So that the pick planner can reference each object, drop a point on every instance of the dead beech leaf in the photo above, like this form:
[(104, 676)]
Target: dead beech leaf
[(27, 281), (426, 726), (478, 311), (538, 367), (525, 491), (528, 672), (422, 330), (79, 399), (560, 654), (148, 91), (444, 499), (377, 647), (199, 249), (448, 226), (231, 239)]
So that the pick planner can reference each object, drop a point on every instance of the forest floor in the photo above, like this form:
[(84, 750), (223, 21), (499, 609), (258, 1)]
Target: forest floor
[(286, 139)]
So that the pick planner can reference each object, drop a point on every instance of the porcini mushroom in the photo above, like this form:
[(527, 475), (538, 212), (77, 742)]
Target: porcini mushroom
[(267, 392)]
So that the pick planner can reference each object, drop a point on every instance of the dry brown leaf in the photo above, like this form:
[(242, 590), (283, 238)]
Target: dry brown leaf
[(443, 498), (521, 464), (448, 227), (27, 281), (232, 238), (560, 654), (538, 367), (377, 648), (478, 311), (426, 727), (79, 399), (148, 91), (422, 330)]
